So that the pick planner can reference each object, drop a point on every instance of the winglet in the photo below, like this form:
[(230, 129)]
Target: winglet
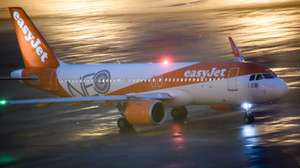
[(236, 51)]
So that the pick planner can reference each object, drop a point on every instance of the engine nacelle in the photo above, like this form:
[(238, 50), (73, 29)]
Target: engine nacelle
[(144, 112)]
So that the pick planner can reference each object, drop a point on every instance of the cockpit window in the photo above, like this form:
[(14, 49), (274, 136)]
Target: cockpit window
[(259, 77), (268, 76), (275, 76), (252, 77)]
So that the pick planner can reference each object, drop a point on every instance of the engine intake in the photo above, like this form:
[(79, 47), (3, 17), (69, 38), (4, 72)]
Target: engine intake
[(144, 112)]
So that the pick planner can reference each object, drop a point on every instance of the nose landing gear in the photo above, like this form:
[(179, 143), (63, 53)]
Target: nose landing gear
[(249, 116)]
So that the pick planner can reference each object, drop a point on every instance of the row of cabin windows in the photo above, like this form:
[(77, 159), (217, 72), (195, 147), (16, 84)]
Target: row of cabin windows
[(262, 76), (147, 80)]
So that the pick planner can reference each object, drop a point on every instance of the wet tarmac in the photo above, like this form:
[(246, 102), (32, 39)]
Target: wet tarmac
[(87, 136)]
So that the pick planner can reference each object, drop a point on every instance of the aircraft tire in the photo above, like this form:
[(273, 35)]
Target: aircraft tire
[(179, 114), (123, 124), (249, 118)]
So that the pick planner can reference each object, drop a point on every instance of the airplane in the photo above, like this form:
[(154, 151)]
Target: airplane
[(142, 91)]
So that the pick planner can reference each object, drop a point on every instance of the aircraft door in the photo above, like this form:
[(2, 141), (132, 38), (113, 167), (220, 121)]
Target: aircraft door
[(232, 83)]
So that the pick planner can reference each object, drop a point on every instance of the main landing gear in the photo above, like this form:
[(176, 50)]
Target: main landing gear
[(249, 115), (179, 114), (124, 125)]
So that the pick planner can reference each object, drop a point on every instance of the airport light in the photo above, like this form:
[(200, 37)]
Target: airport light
[(3, 102), (7, 159)]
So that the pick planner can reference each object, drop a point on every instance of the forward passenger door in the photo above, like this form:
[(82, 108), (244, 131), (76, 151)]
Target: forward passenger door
[(232, 83)]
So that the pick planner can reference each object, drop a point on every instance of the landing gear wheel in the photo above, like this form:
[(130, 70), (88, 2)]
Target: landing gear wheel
[(124, 125), (179, 114), (249, 118)]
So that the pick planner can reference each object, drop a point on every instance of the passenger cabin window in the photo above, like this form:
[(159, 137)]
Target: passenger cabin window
[(259, 77), (252, 77)]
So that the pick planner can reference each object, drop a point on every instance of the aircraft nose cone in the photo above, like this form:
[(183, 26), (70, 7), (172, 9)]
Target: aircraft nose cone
[(282, 89)]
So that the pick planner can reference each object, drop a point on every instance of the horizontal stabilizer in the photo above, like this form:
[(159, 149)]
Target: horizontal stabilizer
[(26, 78)]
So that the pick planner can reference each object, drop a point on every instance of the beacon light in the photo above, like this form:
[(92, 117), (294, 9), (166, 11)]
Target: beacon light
[(165, 61)]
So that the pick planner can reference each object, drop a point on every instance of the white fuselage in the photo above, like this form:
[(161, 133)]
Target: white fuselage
[(113, 79)]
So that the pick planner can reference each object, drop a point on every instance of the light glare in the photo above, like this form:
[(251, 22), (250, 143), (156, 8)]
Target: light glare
[(166, 62), (246, 105), (3, 102)]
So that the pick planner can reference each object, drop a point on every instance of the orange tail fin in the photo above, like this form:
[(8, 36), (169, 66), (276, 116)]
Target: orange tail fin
[(35, 50)]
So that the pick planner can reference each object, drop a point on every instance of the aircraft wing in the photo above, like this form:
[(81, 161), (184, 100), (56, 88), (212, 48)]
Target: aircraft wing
[(147, 96)]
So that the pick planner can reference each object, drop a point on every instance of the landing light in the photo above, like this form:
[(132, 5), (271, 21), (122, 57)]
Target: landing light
[(246, 105)]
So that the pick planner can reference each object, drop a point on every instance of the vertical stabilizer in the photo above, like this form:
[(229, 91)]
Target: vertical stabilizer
[(34, 48)]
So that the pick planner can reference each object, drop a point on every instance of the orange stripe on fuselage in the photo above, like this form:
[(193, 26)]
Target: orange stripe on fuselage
[(154, 84)]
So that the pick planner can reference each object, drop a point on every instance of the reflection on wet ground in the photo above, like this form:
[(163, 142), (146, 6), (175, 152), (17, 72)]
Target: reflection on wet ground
[(277, 126), (88, 135)]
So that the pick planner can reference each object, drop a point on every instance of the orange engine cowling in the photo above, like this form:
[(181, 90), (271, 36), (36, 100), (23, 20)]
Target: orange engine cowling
[(144, 112)]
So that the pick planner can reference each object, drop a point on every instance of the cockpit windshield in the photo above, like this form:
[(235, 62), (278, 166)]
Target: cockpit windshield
[(268, 76), (252, 77), (260, 76)]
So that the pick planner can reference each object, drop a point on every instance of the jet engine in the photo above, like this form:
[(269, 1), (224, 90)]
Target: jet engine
[(144, 112)]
